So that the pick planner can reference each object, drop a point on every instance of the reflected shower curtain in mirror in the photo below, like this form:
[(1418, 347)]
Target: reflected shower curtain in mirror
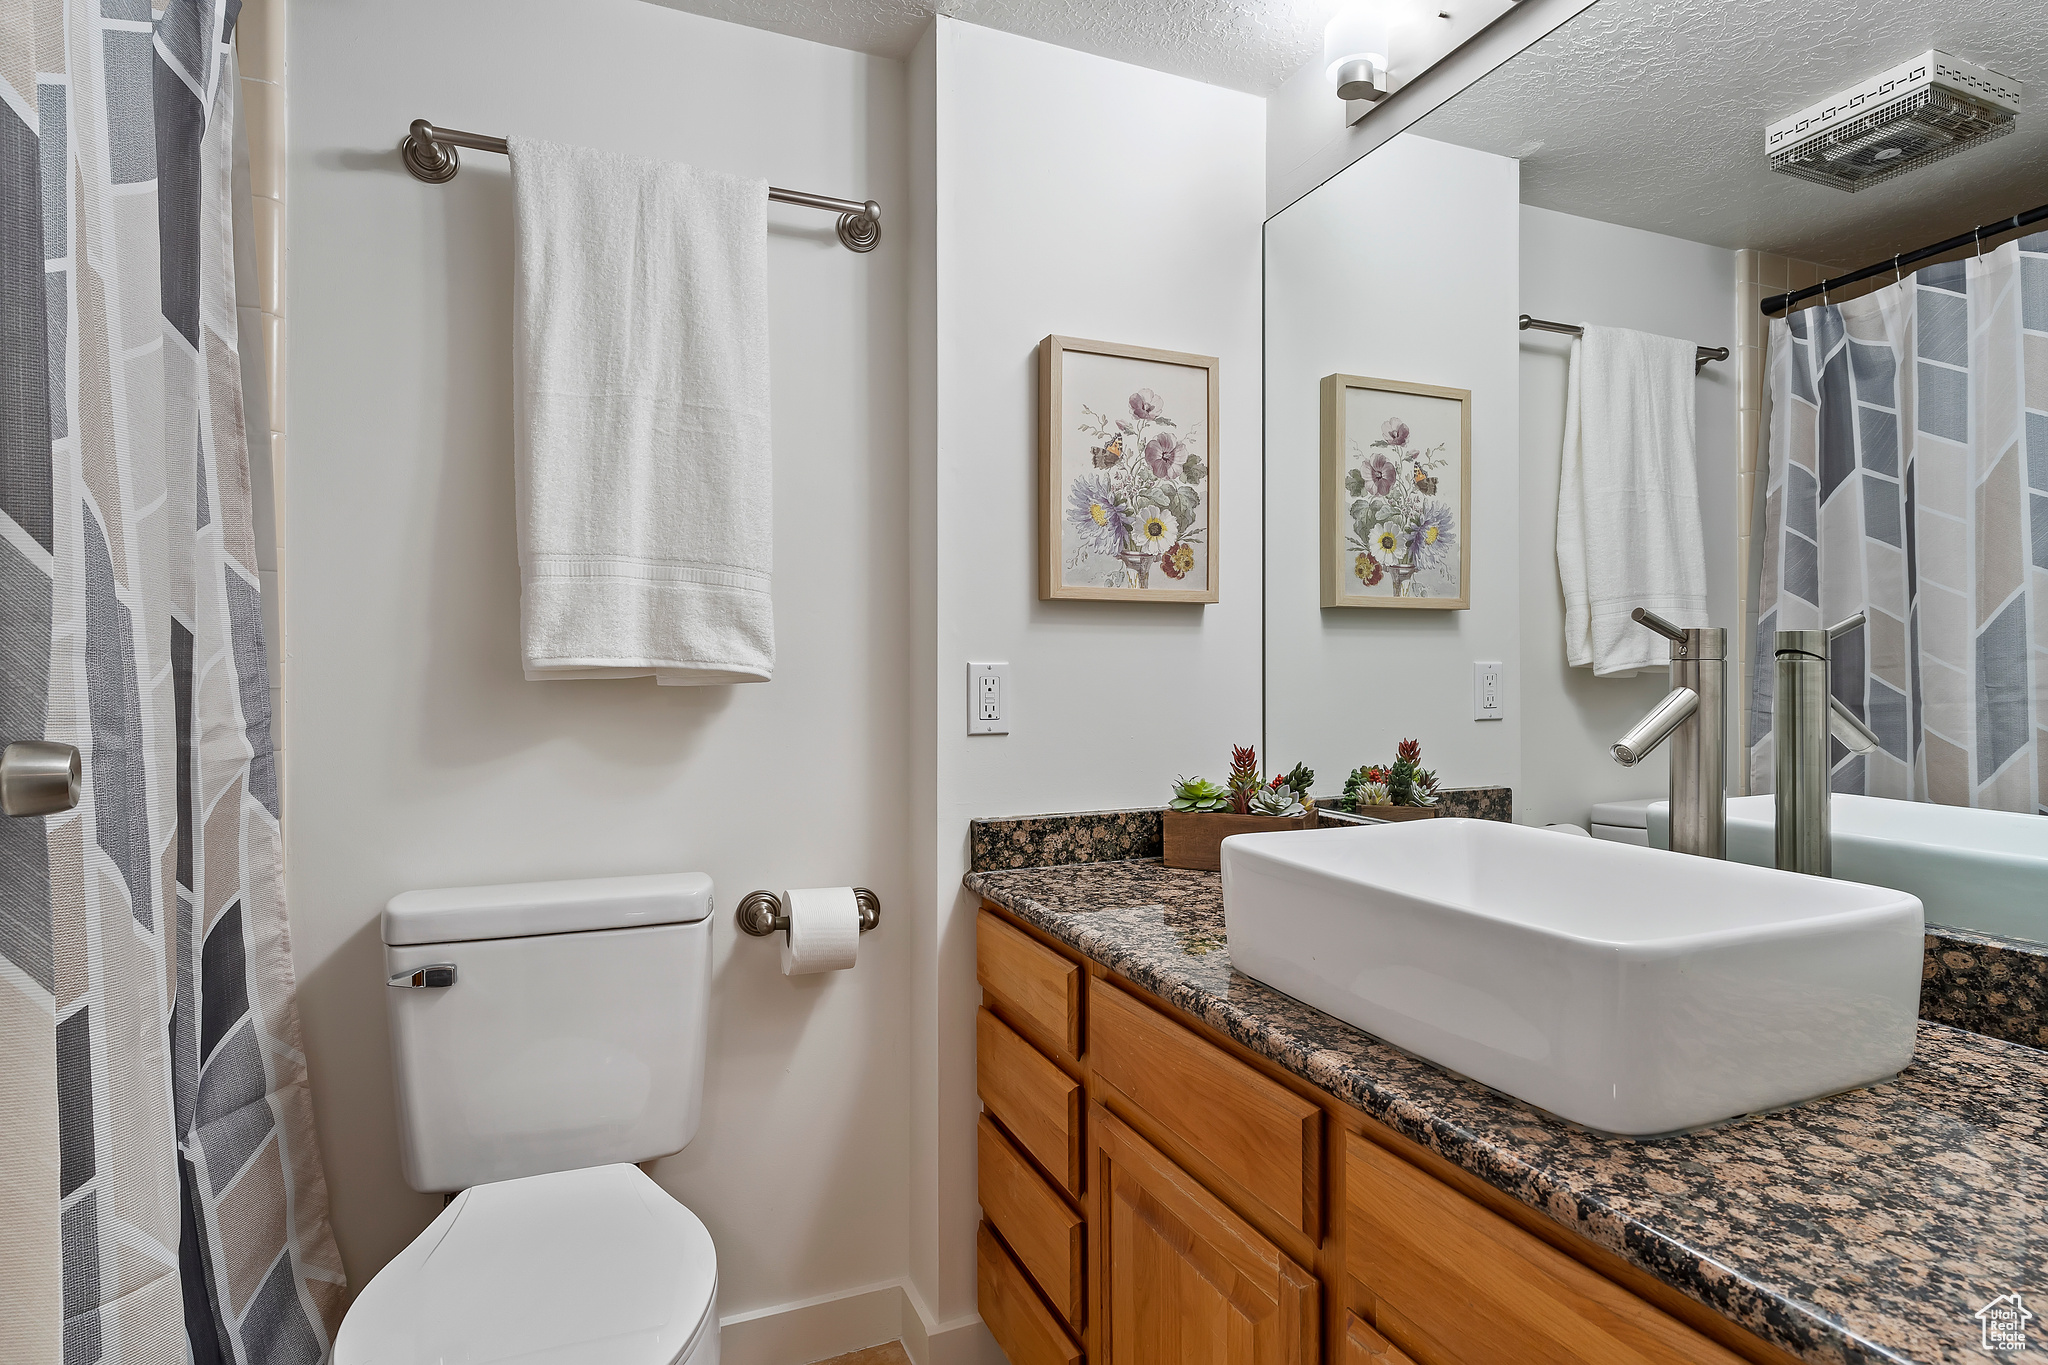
[(1908, 437), (161, 1194)]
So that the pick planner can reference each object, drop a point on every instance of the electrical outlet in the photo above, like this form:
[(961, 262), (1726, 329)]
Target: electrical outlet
[(1487, 700), (988, 699)]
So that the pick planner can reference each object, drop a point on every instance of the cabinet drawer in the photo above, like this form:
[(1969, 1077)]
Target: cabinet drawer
[(1045, 1235), (1039, 1103), (1024, 1327), (1259, 1133), (1457, 1284), (1035, 984)]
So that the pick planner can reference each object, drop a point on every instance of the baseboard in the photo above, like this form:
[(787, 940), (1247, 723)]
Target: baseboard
[(957, 1341), (814, 1329), (833, 1324)]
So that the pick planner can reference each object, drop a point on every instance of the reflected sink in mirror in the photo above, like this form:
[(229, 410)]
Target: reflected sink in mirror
[(1627, 989), (1985, 870)]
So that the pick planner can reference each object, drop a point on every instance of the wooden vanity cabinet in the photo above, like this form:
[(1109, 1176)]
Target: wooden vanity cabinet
[(1154, 1193)]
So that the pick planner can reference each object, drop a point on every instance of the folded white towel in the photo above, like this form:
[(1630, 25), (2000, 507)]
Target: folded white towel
[(1628, 500), (640, 323)]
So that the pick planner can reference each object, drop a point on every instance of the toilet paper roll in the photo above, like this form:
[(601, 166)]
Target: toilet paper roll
[(824, 930)]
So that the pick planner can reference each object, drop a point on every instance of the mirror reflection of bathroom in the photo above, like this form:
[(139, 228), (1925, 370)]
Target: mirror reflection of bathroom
[(1588, 250)]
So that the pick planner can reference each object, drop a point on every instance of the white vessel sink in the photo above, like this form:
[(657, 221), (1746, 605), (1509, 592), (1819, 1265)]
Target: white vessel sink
[(1628, 989), (1974, 869)]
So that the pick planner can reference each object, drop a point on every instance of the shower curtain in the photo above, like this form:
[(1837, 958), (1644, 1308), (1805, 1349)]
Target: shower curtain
[(161, 1195), (1908, 435)]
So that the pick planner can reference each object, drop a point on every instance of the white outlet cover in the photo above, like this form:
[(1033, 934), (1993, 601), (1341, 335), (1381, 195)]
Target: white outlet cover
[(1488, 700), (989, 700)]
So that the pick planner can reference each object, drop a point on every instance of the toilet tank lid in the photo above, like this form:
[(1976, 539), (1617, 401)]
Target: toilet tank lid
[(1627, 814), (460, 914)]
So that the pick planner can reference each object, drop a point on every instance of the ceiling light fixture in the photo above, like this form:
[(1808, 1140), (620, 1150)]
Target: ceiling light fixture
[(1355, 54)]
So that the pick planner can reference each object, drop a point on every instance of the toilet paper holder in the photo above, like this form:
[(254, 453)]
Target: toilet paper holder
[(761, 913)]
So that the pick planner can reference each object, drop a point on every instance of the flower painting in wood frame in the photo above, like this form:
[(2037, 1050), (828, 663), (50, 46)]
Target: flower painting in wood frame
[(1396, 494), (1127, 449)]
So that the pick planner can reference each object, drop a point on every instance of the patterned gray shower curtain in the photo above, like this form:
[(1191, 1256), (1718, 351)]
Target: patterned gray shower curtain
[(1908, 434), (161, 1195)]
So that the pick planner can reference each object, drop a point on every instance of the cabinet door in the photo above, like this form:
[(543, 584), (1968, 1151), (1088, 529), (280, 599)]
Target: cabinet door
[(1185, 1280), (1364, 1346)]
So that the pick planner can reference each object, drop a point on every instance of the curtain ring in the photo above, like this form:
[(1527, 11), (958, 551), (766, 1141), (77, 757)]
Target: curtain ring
[(1977, 235), (1896, 276)]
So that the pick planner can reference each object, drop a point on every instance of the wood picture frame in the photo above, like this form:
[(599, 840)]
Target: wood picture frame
[(1388, 448), (1127, 452)]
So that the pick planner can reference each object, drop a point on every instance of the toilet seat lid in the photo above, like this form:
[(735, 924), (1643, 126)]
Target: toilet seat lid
[(597, 1267)]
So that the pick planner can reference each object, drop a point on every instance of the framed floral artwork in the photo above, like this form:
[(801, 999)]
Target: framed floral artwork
[(1397, 494), (1127, 456)]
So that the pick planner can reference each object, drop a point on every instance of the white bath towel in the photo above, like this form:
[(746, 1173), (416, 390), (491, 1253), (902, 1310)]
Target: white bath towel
[(640, 323), (1628, 500)]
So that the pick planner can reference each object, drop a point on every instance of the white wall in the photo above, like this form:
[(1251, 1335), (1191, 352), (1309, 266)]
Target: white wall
[(420, 757), (1402, 267), (1075, 195), (1578, 270)]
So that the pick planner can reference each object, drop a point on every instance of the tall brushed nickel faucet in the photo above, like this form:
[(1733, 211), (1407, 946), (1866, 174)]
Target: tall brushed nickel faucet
[(1694, 715), (1803, 717)]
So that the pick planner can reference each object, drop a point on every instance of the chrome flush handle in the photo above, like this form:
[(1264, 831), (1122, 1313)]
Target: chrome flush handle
[(432, 977)]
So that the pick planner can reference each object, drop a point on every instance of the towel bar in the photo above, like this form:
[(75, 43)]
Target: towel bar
[(1702, 354), (429, 153)]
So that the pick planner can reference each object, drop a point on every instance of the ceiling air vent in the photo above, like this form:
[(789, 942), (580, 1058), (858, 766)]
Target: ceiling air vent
[(1918, 112)]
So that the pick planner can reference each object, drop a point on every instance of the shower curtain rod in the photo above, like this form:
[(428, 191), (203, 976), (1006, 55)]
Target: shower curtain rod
[(429, 153), (1781, 303), (1701, 354)]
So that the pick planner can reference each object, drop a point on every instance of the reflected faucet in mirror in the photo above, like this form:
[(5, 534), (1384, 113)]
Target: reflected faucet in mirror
[(1804, 716), (1694, 717)]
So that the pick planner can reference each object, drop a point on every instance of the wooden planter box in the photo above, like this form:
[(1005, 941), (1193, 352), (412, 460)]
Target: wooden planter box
[(1195, 839), (1397, 812)]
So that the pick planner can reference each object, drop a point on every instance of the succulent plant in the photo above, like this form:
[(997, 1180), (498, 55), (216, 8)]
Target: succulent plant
[(1360, 777), (1244, 777), (1198, 794), (1280, 801), (1408, 782), (1299, 779), (1372, 794)]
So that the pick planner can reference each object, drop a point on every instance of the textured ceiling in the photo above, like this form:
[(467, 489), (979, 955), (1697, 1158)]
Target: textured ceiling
[(1651, 113), (1251, 45)]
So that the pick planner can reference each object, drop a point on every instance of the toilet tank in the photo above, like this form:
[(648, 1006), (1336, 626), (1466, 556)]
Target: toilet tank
[(571, 1033)]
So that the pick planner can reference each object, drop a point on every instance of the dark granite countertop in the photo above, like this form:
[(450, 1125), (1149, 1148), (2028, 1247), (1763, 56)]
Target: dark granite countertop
[(1869, 1226)]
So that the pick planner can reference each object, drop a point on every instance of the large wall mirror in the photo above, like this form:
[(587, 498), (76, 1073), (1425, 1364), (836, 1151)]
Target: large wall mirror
[(1882, 450)]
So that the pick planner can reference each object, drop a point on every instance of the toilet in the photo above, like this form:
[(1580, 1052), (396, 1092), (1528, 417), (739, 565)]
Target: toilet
[(1623, 822), (544, 1037)]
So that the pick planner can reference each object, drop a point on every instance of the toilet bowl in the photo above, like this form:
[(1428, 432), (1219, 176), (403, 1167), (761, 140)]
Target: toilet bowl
[(592, 1267)]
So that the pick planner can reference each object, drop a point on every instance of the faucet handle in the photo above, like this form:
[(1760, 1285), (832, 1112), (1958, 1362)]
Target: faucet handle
[(1841, 628), (1643, 616)]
